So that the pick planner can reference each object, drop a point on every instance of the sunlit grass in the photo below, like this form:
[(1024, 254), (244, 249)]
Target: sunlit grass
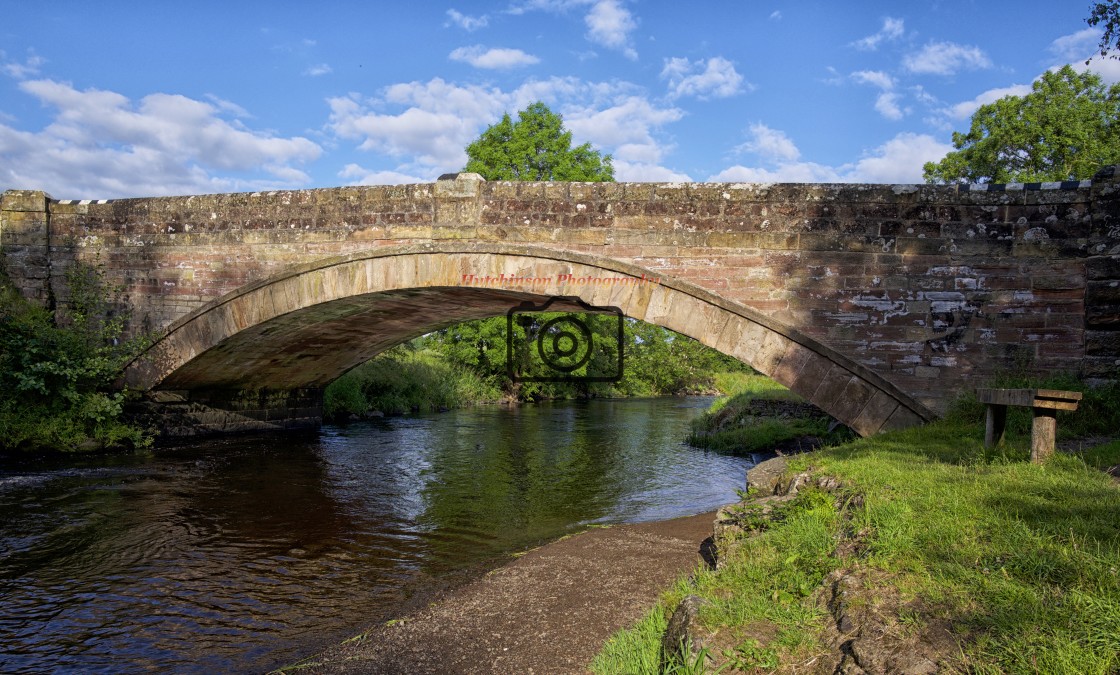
[(1021, 559)]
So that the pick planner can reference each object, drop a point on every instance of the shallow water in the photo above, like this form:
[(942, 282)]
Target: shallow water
[(247, 554)]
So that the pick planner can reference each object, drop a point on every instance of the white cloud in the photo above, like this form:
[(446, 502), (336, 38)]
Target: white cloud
[(1108, 68), (892, 30), (792, 172), (638, 172), (946, 58), (626, 124), (228, 106), (1076, 46), (899, 160), (20, 71), (964, 109), (440, 118), (495, 58), (769, 144), (874, 77), (887, 105), (610, 24), (715, 79), (362, 176), (101, 144), (317, 70), (466, 22), (775, 15)]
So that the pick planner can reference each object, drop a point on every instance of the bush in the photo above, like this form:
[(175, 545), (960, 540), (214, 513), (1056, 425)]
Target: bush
[(404, 379), (57, 372)]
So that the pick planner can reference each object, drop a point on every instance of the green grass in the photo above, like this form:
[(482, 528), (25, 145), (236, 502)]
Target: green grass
[(1021, 559), (731, 425), (401, 380)]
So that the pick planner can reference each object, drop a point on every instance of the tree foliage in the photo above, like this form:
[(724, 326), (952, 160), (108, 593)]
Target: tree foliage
[(535, 148), (1067, 128), (1107, 15), (57, 373)]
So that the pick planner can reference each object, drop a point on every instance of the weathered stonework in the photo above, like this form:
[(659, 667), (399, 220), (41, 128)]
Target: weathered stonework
[(877, 302)]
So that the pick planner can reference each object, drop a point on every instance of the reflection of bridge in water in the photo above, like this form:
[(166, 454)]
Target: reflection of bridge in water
[(878, 303)]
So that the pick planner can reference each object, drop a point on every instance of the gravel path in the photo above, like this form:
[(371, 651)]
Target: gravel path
[(549, 611)]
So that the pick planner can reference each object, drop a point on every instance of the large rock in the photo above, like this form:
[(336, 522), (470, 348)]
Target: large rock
[(681, 642)]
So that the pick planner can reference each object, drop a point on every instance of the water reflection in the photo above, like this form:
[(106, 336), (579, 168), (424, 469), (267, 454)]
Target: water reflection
[(247, 554)]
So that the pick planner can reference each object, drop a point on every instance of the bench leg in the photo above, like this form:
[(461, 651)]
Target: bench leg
[(1043, 431), (994, 425)]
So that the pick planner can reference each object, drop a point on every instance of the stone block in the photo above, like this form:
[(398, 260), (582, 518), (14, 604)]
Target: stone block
[(874, 414)]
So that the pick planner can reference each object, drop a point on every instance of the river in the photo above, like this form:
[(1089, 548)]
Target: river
[(246, 554)]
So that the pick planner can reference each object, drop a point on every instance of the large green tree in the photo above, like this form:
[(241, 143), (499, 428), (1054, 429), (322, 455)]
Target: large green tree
[(1067, 128), (535, 147)]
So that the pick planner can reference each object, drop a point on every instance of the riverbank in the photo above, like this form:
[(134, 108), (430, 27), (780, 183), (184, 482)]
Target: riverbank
[(547, 611), (916, 551)]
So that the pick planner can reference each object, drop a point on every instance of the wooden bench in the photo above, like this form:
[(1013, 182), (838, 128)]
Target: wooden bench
[(1045, 402)]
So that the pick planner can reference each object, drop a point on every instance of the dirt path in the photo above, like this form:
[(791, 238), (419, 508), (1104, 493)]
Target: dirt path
[(549, 611)]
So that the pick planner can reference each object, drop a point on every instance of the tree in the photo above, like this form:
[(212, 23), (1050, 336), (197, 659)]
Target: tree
[(535, 147), (1107, 13), (1065, 129)]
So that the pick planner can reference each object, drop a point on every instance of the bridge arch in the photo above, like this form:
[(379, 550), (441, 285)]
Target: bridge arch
[(301, 329)]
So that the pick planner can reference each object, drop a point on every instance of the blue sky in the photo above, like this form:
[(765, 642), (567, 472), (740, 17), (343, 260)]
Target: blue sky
[(107, 100)]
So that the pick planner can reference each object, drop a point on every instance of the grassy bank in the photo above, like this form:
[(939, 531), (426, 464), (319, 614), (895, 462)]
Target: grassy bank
[(404, 379), (759, 415), (1016, 566)]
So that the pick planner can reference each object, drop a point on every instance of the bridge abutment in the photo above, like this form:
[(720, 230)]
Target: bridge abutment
[(183, 414)]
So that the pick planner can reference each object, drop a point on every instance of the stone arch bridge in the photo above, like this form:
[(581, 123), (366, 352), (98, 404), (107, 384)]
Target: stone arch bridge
[(878, 303)]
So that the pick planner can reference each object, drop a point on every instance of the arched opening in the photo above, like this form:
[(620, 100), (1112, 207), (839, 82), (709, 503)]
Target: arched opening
[(301, 329)]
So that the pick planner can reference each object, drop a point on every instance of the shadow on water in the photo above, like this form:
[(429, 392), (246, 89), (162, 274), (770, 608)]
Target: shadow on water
[(248, 553)]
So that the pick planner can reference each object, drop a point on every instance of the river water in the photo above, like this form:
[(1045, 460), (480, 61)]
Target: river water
[(247, 554)]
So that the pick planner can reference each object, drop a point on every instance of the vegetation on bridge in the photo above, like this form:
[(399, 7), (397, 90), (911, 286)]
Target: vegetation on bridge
[(57, 370)]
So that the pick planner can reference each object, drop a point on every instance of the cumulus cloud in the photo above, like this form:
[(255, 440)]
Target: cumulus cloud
[(770, 144), (639, 172), (29, 67), (495, 58), (716, 78), (1076, 46), (946, 58), (358, 175), (467, 22), (887, 105), (892, 30), (436, 120), (964, 109), (317, 70), (609, 23), (626, 127), (875, 78), (101, 144), (899, 160)]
